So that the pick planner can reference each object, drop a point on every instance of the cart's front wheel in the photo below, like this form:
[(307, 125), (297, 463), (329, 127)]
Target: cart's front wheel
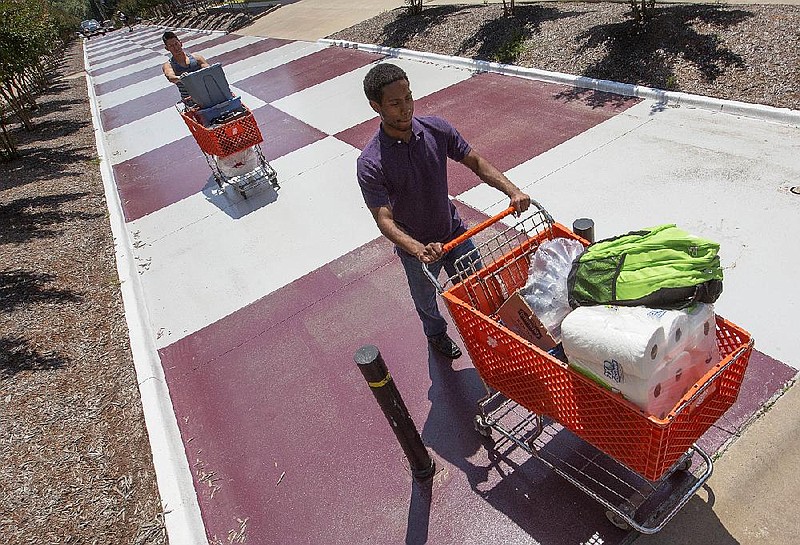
[(617, 520), (481, 426)]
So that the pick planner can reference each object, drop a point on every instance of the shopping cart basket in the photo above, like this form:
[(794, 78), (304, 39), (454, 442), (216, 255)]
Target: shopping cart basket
[(519, 376), (225, 139)]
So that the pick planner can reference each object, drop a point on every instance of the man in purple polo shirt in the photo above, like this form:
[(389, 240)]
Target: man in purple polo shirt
[(403, 177)]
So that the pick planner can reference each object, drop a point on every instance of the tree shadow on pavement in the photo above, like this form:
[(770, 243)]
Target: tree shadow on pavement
[(17, 356), (645, 55), (594, 99), (38, 217)]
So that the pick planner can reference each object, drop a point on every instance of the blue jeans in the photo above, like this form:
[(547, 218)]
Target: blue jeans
[(422, 289)]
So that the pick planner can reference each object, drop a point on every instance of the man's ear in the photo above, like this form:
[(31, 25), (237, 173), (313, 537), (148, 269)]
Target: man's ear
[(375, 107)]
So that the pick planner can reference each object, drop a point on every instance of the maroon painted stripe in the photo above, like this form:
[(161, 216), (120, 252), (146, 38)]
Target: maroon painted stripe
[(139, 107), (247, 51), (507, 120), (161, 177), (166, 175), (283, 133), (305, 72), (145, 55)]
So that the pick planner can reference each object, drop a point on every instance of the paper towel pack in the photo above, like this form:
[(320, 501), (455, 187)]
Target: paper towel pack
[(621, 334), (657, 394), (651, 356), (640, 339)]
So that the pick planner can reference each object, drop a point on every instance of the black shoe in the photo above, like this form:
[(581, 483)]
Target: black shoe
[(445, 346)]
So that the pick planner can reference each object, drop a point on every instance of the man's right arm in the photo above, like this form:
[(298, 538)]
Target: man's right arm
[(384, 219), (170, 73)]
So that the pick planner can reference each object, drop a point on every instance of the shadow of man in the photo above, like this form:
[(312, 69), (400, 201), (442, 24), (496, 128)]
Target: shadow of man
[(538, 501)]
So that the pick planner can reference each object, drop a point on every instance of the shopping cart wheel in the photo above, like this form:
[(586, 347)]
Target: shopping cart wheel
[(219, 182), (481, 426), (617, 520)]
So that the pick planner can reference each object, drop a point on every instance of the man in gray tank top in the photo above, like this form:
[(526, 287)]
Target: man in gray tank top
[(180, 62)]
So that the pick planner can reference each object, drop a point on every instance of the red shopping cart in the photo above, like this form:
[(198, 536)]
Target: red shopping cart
[(232, 150), (532, 395)]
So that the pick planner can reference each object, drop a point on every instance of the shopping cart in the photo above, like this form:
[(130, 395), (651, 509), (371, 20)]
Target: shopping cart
[(222, 140), (640, 468)]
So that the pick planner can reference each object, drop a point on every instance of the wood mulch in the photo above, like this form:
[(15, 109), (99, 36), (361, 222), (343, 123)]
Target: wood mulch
[(743, 52), (76, 462)]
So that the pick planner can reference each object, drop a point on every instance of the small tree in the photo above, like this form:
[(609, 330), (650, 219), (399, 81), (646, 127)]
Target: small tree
[(414, 6), (641, 10)]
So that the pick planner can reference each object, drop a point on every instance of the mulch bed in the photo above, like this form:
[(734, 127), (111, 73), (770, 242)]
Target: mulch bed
[(740, 52), (76, 461)]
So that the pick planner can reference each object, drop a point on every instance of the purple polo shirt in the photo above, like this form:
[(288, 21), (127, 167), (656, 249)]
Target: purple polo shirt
[(412, 178)]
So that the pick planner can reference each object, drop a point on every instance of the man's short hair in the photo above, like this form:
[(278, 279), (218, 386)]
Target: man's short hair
[(379, 77), (168, 35)]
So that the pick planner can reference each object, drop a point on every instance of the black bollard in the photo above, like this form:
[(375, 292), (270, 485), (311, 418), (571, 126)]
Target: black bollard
[(374, 369), (584, 228)]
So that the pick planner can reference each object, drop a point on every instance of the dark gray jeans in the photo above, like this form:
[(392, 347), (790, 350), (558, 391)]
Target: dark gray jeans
[(423, 291)]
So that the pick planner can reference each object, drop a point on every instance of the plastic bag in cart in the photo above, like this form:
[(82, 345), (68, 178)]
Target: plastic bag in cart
[(238, 163), (546, 291)]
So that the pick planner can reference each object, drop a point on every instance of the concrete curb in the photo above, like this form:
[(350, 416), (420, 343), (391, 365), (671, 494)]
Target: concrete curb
[(182, 516), (777, 115)]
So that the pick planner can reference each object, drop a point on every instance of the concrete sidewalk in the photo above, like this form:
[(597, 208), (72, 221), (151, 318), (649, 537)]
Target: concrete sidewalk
[(253, 309), (751, 498)]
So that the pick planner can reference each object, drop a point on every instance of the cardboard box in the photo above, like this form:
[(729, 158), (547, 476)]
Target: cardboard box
[(520, 318)]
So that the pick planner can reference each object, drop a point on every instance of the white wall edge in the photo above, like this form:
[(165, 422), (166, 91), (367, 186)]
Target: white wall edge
[(769, 113), (182, 516)]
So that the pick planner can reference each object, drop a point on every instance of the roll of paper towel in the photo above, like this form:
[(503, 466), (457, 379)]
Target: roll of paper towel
[(656, 394), (629, 339), (674, 323), (700, 325)]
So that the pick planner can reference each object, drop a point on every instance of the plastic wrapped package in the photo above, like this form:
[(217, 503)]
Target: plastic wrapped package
[(238, 163), (546, 291)]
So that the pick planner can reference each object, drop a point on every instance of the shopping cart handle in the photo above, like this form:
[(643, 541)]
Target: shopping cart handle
[(477, 229)]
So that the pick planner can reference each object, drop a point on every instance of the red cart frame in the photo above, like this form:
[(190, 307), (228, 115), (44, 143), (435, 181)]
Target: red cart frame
[(222, 140), (546, 386)]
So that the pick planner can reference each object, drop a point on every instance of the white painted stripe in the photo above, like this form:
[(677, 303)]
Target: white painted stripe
[(139, 54), (227, 47), (195, 42), (248, 100), (182, 517), (339, 103), (652, 165), (138, 89), (146, 134), (240, 251), (269, 59)]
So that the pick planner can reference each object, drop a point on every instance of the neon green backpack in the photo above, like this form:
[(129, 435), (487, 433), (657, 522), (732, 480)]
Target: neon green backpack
[(660, 267)]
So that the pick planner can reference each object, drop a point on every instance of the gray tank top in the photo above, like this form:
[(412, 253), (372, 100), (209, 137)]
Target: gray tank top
[(180, 69)]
